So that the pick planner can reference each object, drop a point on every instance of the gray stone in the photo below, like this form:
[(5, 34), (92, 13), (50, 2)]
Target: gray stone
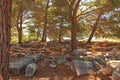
[(116, 74), (45, 52), (77, 53), (16, 48), (53, 66), (35, 57), (61, 59), (30, 52), (97, 65), (118, 56), (70, 65), (89, 53), (114, 51), (109, 56), (17, 65), (50, 59), (100, 57), (20, 55), (112, 65), (83, 67), (30, 69), (33, 49), (100, 61)]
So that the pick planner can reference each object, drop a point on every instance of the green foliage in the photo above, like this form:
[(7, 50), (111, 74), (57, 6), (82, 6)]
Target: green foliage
[(58, 13)]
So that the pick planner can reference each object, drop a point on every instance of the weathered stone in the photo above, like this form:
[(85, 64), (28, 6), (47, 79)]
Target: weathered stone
[(20, 55), (17, 65), (99, 60), (70, 65), (53, 66), (77, 53), (118, 56), (35, 57), (116, 74), (33, 49), (109, 56), (61, 59), (100, 57), (112, 65), (114, 51), (83, 67), (45, 52), (89, 53), (30, 69), (16, 50), (30, 52), (49, 60), (97, 65)]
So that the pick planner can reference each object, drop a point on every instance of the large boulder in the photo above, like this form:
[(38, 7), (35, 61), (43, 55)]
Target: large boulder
[(35, 57), (83, 67), (17, 65), (30, 69)]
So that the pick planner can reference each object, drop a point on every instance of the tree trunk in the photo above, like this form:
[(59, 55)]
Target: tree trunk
[(73, 8), (94, 29), (19, 23), (5, 27), (60, 34), (20, 28), (45, 24), (74, 33)]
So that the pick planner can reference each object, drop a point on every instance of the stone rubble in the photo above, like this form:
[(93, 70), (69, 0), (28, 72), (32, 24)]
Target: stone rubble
[(30, 69)]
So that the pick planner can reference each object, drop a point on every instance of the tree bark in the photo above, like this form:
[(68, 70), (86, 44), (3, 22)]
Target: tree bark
[(94, 29), (60, 34), (19, 23), (5, 28), (45, 24), (73, 8)]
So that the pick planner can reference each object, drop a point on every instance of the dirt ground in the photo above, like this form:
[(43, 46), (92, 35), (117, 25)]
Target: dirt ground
[(62, 72)]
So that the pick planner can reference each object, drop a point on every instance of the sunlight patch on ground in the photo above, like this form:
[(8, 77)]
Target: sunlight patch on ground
[(47, 78)]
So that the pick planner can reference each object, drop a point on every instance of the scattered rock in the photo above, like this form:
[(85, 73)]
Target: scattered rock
[(118, 56), (30, 69), (30, 52), (100, 61), (70, 65), (20, 55), (33, 49), (114, 51), (17, 65), (45, 53), (101, 57), (89, 53), (53, 66), (49, 60), (116, 74), (35, 57), (83, 67), (61, 59), (97, 65), (78, 52), (109, 56), (112, 65)]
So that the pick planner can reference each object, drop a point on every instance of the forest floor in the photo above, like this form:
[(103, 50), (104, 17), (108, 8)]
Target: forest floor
[(62, 72)]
